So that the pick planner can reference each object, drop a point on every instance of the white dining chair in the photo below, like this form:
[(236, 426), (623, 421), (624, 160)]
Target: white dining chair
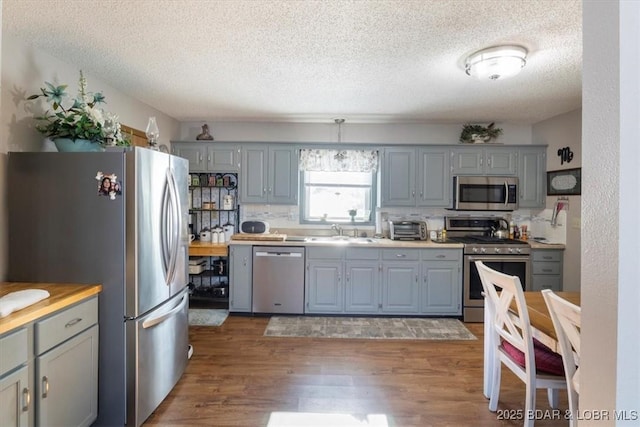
[(513, 345), (566, 321)]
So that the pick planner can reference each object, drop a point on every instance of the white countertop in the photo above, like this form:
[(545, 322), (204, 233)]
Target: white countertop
[(381, 243), (376, 243)]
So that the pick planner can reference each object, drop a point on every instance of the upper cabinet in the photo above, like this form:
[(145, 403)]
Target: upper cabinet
[(473, 160), (416, 177), (208, 156), (532, 172), (269, 174)]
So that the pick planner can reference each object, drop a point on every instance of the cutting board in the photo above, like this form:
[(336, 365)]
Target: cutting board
[(260, 237)]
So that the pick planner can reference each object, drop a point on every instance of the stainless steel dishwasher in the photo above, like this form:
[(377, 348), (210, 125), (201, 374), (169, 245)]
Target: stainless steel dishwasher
[(278, 279)]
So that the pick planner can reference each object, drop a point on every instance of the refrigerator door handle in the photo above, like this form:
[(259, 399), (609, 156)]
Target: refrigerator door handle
[(164, 225), (149, 323), (176, 224)]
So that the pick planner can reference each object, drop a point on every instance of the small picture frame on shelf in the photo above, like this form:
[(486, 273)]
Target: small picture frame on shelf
[(195, 180), (212, 181)]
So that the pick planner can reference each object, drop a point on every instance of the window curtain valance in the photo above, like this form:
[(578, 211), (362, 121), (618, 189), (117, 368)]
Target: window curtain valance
[(323, 160)]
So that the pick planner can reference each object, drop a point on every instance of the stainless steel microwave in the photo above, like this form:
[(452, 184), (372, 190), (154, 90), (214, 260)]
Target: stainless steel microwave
[(485, 193)]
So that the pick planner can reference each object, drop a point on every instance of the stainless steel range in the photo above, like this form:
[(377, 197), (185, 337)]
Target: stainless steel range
[(506, 255)]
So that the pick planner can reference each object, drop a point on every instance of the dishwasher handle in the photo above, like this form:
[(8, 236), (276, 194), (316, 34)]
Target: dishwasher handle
[(279, 254)]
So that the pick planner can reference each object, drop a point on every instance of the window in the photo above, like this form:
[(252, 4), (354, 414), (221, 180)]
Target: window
[(336, 196), (338, 185)]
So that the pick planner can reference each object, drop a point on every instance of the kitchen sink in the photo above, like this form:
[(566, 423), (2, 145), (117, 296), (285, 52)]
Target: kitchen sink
[(340, 239)]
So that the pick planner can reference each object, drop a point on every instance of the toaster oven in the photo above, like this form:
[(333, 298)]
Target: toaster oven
[(408, 230)]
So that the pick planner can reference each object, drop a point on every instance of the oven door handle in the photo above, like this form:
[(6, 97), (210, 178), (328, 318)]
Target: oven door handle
[(498, 257)]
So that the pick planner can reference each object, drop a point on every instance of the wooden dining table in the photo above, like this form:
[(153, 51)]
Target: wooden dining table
[(541, 326)]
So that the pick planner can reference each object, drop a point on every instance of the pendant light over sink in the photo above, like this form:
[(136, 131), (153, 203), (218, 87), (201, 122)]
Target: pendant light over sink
[(496, 63)]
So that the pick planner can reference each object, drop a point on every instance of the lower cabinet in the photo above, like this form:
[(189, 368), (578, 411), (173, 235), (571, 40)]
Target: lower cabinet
[(546, 269), (241, 277), (67, 382), (324, 285), (440, 289), (49, 370), (16, 391), (400, 275), (383, 281)]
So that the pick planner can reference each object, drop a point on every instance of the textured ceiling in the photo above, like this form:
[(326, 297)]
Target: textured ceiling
[(366, 61)]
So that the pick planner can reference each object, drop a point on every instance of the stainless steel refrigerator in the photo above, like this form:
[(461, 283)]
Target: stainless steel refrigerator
[(118, 218)]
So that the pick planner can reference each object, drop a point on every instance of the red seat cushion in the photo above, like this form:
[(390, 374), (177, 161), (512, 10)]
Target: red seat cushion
[(547, 360)]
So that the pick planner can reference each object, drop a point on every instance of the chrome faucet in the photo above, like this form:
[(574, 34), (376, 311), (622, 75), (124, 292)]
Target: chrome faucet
[(337, 228)]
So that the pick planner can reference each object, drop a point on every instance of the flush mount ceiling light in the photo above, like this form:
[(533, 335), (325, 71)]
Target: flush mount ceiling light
[(496, 63)]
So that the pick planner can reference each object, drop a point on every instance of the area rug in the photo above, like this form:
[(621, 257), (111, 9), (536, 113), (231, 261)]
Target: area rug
[(207, 317), (409, 328)]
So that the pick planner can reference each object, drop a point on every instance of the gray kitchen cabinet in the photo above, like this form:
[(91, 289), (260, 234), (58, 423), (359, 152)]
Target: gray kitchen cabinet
[(546, 269), (473, 160), (269, 174), (16, 392), (67, 381), (362, 275), (240, 278), (441, 287), (15, 395), (532, 173), (399, 177), (416, 177), (66, 366), (325, 288), (400, 275), (208, 156)]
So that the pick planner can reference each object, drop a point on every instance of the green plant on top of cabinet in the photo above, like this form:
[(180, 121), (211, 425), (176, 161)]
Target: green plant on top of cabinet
[(208, 156), (532, 174), (416, 177), (486, 160), (269, 174), (240, 279)]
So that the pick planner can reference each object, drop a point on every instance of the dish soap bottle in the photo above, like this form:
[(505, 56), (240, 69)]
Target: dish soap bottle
[(511, 229)]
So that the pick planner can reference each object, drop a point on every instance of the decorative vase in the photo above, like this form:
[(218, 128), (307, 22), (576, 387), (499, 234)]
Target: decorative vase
[(69, 145)]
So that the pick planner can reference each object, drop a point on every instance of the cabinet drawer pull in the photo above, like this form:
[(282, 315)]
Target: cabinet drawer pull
[(45, 387), (440, 256), (70, 323), (547, 270), (400, 255), (26, 399)]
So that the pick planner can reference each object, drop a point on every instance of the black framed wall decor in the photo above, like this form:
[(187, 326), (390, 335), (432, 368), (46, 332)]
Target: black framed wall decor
[(565, 182)]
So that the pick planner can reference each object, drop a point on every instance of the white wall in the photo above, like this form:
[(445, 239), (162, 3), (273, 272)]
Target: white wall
[(24, 71), (387, 133), (558, 132), (609, 375)]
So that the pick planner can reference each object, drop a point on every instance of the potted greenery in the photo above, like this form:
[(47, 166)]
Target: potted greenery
[(478, 134), (81, 126)]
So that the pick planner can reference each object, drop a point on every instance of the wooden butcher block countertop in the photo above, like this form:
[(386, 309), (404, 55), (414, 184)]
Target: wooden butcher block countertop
[(61, 296)]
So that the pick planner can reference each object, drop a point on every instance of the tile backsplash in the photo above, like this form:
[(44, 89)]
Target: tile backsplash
[(282, 217)]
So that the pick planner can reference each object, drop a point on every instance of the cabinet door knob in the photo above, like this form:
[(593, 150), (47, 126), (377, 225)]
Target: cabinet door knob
[(26, 399), (45, 387)]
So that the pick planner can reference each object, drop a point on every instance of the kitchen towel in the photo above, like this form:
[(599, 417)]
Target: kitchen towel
[(20, 299)]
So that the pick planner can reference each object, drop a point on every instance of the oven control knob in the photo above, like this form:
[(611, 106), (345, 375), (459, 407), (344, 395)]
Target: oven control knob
[(483, 250), (475, 250), (510, 250), (519, 250), (497, 250)]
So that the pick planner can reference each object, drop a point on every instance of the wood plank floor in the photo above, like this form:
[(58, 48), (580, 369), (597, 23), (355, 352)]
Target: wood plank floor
[(237, 377)]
